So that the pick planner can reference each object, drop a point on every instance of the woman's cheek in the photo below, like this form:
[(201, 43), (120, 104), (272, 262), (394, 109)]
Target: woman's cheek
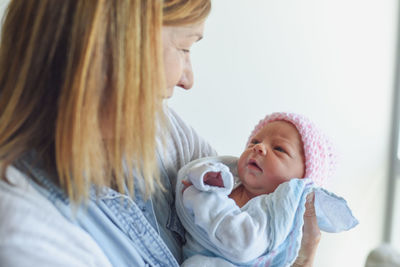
[(173, 69)]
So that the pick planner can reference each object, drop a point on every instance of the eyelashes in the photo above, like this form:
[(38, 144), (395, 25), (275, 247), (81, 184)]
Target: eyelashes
[(278, 148), (254, 142)]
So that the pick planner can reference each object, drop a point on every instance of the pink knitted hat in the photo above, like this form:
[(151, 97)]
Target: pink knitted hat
[(320, 157)]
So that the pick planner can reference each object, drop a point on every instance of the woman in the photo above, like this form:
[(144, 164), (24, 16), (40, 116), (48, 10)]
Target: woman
[(88, 154)]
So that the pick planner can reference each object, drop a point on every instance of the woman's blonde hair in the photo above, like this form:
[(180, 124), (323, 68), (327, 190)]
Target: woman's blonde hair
[(81, 84), (184, 12)]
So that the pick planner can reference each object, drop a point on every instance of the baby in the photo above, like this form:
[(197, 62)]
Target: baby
[(249, 211)]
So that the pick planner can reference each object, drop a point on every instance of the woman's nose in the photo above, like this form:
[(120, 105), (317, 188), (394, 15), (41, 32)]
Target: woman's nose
[(186, 80), (260, 149)]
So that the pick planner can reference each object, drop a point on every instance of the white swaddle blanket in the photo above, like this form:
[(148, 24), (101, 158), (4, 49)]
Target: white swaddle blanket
[(267, 231)]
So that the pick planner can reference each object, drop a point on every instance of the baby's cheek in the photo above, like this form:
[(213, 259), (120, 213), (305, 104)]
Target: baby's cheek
[(241, 164), (240, 170)]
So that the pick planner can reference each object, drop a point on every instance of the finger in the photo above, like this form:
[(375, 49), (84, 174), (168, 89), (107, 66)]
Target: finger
[(311, 231), (310, 197), (310, 208), (186, 183)]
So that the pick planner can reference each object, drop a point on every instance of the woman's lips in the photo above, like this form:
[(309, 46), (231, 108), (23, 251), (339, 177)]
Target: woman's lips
[(252, 164)]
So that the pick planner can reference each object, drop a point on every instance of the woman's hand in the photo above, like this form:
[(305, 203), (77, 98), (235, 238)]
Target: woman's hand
[(311, 236)]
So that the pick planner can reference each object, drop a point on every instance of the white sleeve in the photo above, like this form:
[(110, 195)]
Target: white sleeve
[(240, 236), (196, 173), (34, 233)]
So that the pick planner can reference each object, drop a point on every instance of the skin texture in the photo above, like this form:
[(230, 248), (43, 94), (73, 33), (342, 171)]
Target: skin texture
[(311, 236), (275, 155), (177, 42)]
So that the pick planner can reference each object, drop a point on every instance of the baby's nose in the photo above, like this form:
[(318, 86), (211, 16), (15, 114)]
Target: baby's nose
[(260, 148)]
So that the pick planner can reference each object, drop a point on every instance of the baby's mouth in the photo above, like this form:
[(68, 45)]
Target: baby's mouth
[(254, 165)]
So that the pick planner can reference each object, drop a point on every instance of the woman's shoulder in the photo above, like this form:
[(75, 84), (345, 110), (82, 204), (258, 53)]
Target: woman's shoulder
[(183, 143), (176, 124), (31, 224), (17, 192)]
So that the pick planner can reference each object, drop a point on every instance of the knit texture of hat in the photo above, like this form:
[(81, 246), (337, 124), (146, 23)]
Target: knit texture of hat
[(320, 157)]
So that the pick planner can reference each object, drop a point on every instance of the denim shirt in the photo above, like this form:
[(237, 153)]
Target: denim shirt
[(129, 232), (125, 229)]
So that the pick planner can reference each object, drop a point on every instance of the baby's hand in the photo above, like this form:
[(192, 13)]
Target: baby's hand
[(186, 184), (213, 179)]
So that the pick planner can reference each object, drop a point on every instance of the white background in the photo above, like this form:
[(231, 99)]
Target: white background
[(332, 60)]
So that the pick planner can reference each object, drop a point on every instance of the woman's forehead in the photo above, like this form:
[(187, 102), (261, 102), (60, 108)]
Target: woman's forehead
[(193, 31)]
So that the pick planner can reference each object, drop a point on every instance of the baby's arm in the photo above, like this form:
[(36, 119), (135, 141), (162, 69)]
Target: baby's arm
[(259, 227), (213, 179), (239, 236), (210, 176)]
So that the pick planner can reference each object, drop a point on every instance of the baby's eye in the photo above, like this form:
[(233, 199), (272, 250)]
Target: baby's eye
[(280, 149), (254, 142), (186, 51)]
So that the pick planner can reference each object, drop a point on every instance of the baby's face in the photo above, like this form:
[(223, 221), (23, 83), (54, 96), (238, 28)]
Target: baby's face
[(275, 155)]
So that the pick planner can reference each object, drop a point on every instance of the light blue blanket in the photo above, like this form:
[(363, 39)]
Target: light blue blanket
[(267, 231)]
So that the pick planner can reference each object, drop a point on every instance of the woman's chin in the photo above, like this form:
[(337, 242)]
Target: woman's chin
[(169, 93)]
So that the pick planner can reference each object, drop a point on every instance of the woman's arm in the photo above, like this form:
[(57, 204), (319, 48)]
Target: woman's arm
[(34, 233), (311, 236), (46, 245)]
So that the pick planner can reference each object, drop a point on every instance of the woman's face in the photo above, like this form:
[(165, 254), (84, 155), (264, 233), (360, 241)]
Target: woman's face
[(177, 42)]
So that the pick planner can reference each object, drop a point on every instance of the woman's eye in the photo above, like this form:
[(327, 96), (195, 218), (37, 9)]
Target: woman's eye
[(186, 51)]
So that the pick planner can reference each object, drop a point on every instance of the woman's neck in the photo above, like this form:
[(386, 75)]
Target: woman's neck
[(240, 195)]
